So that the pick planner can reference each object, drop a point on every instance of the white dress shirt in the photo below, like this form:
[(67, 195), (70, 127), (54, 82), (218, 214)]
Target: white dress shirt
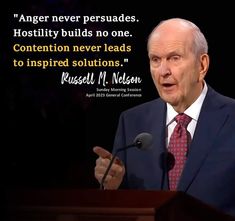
[(193, 111)]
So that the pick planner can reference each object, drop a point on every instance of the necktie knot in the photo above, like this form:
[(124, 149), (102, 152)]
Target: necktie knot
[(183, 119)]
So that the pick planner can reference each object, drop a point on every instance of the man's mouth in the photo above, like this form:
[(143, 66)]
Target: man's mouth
[(167, 85)]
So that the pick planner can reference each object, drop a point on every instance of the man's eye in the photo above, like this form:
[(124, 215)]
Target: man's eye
[(175, 58), (155, 59)]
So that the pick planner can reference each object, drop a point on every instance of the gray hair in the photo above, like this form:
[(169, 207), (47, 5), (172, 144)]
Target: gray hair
[(200, 45)]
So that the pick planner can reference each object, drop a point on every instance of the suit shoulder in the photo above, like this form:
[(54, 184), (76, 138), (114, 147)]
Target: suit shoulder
[(145, 107), (227, 102), (220, 99)]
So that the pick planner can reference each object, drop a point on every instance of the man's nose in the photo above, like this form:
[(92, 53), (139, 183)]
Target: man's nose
[(164, 68)]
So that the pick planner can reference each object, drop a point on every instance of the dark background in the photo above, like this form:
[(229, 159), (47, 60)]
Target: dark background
[(48, 130)]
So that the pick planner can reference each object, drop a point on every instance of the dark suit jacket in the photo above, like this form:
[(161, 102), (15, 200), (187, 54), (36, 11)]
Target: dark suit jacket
[(209, 172)]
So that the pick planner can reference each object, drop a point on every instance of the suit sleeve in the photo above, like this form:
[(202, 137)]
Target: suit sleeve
[(119, 142)]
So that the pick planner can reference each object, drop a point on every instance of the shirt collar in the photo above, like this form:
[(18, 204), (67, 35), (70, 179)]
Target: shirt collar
[(193, 111)]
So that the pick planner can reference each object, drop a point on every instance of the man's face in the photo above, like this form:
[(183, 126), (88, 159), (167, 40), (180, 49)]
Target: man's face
[(174, 67)]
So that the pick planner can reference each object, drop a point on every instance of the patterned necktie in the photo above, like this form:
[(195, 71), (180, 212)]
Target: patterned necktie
[(178, 146)]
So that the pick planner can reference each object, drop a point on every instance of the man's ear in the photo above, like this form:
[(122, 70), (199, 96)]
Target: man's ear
[(204, 65)]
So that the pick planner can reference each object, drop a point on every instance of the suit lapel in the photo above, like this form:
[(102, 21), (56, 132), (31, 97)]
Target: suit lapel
[(211, 120), (157, 127)]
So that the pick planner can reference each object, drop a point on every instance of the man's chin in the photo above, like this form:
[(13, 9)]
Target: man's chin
[(171, 99)]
